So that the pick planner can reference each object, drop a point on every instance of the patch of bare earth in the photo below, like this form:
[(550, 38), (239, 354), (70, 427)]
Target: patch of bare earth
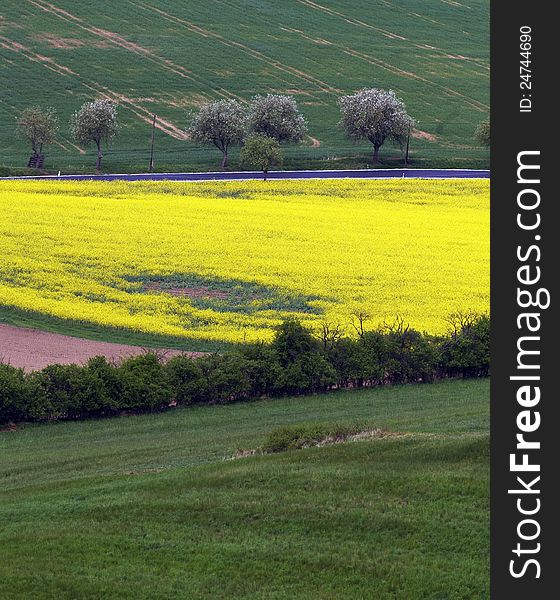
[(186, 292), (315, 143), (32, 349), (424, 135), (62, 43)]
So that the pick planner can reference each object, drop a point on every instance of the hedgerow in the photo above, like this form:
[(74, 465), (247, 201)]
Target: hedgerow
[(296, 362)]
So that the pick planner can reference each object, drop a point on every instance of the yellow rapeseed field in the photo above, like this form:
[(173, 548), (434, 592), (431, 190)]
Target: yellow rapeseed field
[(226, 261)]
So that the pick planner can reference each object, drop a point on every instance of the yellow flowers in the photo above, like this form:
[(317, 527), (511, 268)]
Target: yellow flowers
[(228, 260)]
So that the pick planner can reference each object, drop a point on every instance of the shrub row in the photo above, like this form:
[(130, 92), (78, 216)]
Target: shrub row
[(296, 362)]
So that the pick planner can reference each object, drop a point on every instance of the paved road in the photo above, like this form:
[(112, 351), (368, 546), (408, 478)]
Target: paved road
[(240, 175)]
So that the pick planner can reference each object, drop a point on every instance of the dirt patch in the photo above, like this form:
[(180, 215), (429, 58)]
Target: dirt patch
[(48, 62), (315, 143), (64, 147), (62, 43), (33, 349), (185, 102), (186, 292), (424, 135), (9, 427)]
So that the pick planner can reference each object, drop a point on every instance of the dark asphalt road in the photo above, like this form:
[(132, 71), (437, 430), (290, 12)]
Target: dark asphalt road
[(240, 175)]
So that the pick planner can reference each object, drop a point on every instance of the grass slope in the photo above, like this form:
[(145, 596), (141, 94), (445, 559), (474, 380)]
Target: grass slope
[(153, 57), (146, 507)]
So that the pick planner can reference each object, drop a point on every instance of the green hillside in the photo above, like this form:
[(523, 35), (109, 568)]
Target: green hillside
[(168, 57), (150, 507)]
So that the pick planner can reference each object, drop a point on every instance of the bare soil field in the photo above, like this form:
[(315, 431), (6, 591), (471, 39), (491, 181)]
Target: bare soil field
[(32, 349)]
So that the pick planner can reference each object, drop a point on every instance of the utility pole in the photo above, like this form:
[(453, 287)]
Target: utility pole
[(152, 148)]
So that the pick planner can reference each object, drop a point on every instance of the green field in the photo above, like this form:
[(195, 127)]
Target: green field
[(155, 56), (150, 507)]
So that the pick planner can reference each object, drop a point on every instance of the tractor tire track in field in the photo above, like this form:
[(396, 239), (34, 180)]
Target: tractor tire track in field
[(323, 86), (111, 37), (34, 349), (63, 146), (117, 40), (46, 61), (391, 34), (480, 106), (402, 10), (62, 142), (142, 113)]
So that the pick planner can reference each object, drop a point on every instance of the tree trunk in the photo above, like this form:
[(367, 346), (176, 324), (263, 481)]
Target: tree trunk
[(99, 157), (225, 159), (376, 154)]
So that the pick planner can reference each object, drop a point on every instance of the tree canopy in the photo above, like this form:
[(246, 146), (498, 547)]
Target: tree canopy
[(39, 126), (221, 124), (95, 122), (262, 152), (376, 115), (277, 117), (482, 133)]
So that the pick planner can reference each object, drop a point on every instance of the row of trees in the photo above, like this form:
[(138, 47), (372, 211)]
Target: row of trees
[(95, 122), (227, 123), (296, 362), (262, 126)]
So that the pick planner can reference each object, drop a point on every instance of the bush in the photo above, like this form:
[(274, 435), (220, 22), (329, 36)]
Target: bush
[(19, 397), (226, 376), (482, 133), (186, 380), (294, 363), (410, 358), (261, 152), (307, 374), (108, 381), (145, 384), (75, 392), (303, 435), (345, 356), (263, 369), (466, 351), (305, 368), (373, 357), (292, 340)]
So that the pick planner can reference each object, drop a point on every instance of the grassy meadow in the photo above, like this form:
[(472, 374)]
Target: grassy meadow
[(151, 507), (151, 56), (219, 263)]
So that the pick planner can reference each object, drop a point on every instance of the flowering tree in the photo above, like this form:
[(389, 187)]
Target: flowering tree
[(39, 126), (277, 117), (262, 152), (375, 115), (221, 124), (482, 133), (95, 122)]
